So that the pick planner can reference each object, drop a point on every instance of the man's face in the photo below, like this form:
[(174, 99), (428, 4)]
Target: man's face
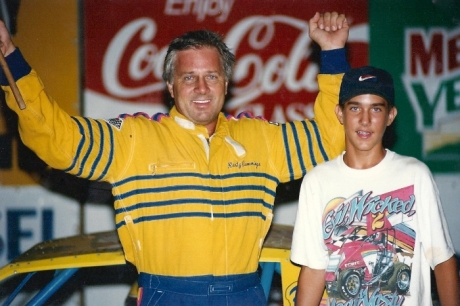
[(365, 119), (199, 86)]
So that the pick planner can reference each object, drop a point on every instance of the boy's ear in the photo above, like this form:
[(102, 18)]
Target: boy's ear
[(339, 113), (392, 115)]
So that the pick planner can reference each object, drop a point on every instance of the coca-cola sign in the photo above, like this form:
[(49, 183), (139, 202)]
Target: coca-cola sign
[(276, 68)]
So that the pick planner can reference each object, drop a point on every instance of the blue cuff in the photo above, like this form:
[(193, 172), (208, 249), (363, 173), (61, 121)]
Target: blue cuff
[(18, 67), (334, 61)]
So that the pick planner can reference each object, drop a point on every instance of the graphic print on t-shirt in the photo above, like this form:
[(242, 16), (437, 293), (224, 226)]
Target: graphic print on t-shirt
[(371, 246)]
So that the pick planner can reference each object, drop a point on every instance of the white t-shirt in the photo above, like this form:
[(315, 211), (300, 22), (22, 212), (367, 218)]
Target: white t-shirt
[(376, 231)]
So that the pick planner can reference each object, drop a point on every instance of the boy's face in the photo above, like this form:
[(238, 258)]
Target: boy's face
[(365, 118)]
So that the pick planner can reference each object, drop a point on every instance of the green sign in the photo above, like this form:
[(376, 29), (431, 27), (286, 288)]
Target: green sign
[(418, 42)]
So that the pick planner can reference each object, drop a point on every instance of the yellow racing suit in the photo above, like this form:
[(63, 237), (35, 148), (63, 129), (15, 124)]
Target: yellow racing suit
[(186, 203)]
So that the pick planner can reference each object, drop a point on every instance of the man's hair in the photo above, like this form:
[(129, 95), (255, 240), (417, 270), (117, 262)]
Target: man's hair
[(197, 40)]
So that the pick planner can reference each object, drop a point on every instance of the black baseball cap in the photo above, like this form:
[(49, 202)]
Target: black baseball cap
[(367, 80)]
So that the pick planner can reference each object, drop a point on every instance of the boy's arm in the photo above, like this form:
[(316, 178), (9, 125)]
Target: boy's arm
[(308, 249), (447, 282), (310, 287)]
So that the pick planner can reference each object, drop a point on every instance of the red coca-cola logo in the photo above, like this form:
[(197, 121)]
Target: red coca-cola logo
[(276, 68)]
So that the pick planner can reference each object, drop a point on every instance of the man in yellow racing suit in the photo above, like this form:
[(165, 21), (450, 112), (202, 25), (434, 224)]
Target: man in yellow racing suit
[(190, 201)]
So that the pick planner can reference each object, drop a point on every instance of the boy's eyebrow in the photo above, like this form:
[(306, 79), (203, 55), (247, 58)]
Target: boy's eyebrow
[(380, 103), (383, 103)]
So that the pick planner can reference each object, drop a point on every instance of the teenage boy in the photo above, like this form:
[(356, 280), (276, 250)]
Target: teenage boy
[(370, 224)]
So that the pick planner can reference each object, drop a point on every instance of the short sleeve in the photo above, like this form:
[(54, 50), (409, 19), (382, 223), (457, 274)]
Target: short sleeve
[(435, 239), (308, 248)]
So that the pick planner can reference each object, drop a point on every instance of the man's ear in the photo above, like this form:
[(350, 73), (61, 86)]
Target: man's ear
[(339, 113), (392, 115), (170, 89)]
